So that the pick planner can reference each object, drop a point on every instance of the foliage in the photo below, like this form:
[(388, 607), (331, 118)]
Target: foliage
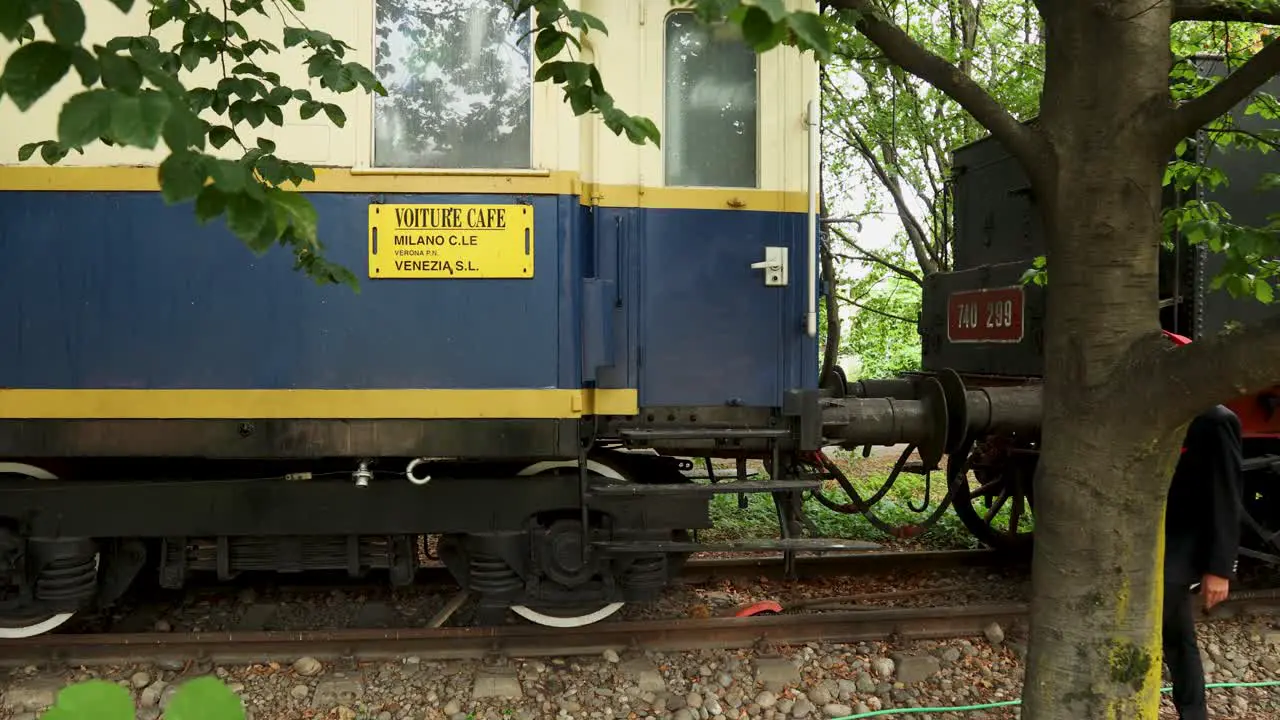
[(1251, 253), (135, 95), (884, 335), (888, 129), (204, 698)]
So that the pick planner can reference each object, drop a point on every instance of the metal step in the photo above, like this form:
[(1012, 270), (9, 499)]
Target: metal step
[(702, 434), (725, 488), (792, 545)]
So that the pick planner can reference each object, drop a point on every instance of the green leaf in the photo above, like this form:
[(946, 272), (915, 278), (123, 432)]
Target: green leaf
[(221, 135), (65, 20), (184, 129), (33, 70), (230, 176), (205, 698), (85, 117), (811, 32), (210, 204), (14, 15), (266, 145), (97, 699), (124, 5), (335, 114), (245, 216), (777, 9), (760, 31), (52, 152), (121, 73), (181, 176), (549, 44), (26, 151), (1263, 291), (294, 36), (299, 211), (86, 64), (137, 120)]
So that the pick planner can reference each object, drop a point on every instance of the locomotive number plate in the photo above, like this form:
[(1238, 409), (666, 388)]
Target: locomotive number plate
[(989, 316), (450, 241)]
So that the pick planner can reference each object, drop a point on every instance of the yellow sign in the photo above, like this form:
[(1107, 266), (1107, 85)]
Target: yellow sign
[(450, 241)]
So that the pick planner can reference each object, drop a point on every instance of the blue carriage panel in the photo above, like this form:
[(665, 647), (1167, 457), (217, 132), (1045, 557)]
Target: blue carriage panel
[(120, 290), (712, 332), (802, 357), (610, 315)]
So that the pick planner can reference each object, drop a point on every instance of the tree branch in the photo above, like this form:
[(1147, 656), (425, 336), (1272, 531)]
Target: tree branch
[(1266, 12), (1194, 114), (873, 257), (889, 178), (1022, 141), (875, 311), (1218, 369)]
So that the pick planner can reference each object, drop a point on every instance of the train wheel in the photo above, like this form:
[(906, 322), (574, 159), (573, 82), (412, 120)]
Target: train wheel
[(997, 508), (562, 617), (23, 621)]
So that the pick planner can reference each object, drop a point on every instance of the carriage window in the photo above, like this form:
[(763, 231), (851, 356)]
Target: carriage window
[(710, 133), (459, 85)]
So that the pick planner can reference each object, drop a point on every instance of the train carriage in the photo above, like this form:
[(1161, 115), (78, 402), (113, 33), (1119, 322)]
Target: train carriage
[(536, 292), (552, 320)]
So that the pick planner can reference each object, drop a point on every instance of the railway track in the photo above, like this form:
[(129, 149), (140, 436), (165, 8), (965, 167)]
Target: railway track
[(130, 636), (509, 641), (461, 643)]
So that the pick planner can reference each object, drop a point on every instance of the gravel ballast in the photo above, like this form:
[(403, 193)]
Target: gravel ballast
[(808, 681)]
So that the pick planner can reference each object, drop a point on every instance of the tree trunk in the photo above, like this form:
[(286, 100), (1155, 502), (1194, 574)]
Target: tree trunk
[(830, 352), (1102, 479), (1105, 461)]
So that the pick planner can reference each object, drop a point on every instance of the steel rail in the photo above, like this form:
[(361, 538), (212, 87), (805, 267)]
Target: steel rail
[(532, 640), (509, 641)]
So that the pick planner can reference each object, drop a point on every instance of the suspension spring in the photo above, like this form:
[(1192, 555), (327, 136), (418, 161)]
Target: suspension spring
[(67, 581), (493, 576), (646, 573)]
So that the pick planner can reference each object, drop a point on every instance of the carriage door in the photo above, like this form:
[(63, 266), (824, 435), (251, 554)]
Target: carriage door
[(718, 265)]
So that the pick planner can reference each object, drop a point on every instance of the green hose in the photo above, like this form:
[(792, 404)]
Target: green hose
[(1007, 703)]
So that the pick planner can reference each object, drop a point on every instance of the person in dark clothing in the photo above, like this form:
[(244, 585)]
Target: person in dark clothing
[(1202, 537)]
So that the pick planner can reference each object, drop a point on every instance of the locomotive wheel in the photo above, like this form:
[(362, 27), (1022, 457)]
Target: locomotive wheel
[(1003, 481), (562, 617), (24, 622)]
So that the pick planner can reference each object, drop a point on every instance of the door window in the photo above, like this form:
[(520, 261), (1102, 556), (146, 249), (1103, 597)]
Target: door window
[(711, 104)]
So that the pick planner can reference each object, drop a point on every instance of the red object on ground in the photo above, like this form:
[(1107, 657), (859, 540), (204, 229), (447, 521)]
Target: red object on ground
[(1176, 338), (766, 606)]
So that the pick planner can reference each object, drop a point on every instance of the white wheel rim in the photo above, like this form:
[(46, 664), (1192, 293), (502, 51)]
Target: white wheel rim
[(45, 625), (536, 617), (566, 622)]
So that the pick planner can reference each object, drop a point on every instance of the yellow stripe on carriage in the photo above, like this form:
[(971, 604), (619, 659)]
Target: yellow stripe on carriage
[(36, 178), (407, 404)]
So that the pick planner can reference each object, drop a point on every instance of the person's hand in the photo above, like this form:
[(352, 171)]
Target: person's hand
[(1214, 589)]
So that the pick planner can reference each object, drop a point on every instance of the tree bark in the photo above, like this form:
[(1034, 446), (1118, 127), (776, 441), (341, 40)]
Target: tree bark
[(831, 352), (1106, 459)]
